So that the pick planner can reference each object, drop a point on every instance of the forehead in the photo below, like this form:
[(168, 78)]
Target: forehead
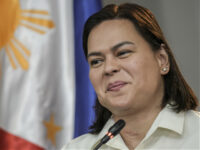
[(112, 32)]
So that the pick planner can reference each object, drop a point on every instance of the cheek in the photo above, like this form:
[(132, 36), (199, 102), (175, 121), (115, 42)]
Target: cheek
[(94, 78), (150, 73), (143, 69), (132, 67), (96, 81)]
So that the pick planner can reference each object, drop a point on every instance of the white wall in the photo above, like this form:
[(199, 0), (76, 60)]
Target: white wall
[(180, 22)]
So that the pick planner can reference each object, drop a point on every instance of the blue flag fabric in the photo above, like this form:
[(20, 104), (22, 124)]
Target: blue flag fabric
[(85, 95)]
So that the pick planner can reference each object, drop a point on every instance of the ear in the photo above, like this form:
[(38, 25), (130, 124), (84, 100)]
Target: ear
[(163, 60)]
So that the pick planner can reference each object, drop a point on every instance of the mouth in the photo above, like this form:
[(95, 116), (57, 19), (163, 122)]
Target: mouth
[(116, 86)]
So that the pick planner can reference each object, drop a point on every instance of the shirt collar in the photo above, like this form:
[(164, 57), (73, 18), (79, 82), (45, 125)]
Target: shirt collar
[(167, 119)]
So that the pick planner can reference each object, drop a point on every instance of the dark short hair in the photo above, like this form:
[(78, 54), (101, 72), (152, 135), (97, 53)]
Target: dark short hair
[(175, 86)]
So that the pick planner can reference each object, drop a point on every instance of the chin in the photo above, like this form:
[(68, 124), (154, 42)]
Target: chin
[(116, 104), (119, 107)]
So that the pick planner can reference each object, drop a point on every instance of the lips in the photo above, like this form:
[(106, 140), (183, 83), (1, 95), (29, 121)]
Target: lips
[(116, 86)]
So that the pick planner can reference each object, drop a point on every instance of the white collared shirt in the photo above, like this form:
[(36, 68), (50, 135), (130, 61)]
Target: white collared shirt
[(169, 131)]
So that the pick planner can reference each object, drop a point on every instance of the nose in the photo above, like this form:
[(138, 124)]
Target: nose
[(111, 67)]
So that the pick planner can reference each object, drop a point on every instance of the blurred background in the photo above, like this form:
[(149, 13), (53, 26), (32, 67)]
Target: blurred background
[(46, 97)]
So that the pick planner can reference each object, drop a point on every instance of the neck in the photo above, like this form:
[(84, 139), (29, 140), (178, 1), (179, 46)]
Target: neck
[(137, 125)]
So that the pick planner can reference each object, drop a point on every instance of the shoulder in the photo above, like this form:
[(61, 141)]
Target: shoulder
[(192, 126), (192, 116), (85, 141), (192, 122)]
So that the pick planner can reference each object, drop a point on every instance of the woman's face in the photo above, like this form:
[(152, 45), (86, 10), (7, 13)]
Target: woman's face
[(125, 72)]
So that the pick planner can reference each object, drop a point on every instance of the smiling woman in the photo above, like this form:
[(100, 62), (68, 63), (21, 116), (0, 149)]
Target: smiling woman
[(128, 77), (136, 79)]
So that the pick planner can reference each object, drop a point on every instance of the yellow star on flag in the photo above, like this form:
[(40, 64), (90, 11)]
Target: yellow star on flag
[(52, 129)]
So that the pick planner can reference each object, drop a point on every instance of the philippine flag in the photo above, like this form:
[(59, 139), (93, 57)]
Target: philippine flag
[(46, 97)]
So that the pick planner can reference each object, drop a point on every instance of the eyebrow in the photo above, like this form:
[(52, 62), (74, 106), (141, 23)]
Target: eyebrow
[(114, 48)]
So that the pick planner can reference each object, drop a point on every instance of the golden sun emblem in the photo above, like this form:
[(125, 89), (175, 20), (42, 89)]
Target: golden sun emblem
[(11, 17)]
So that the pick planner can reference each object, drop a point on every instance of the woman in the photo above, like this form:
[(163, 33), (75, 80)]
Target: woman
[(136, 79)]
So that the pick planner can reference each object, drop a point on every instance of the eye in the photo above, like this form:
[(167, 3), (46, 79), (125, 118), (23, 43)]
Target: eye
[(96, 62), (123, 53)]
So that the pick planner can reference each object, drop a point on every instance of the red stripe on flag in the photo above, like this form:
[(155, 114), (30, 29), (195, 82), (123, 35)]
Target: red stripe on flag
[(12, 142)]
